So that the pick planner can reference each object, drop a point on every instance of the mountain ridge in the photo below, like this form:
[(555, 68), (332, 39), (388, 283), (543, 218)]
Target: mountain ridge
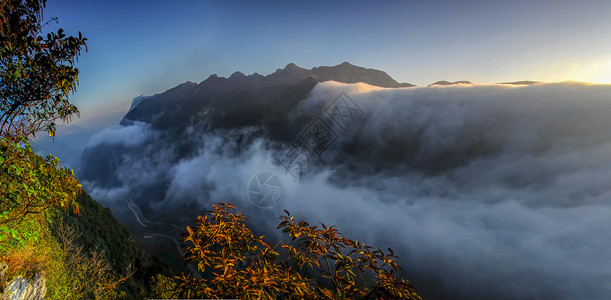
[(240, 91)]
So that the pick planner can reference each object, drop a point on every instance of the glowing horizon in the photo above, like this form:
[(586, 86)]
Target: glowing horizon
[(143, 47)]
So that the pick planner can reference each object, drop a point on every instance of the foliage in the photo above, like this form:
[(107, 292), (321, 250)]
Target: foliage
[(163, 287), (90, 276), (242, 264), (100, 231), (74, 268), (355, 269), (36, 73), (71, 273), (31, 185), (25, 259), (237, 264), (35, 192), (29, 256)]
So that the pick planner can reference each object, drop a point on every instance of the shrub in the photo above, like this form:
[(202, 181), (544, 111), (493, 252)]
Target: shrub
[(317, 264), (31, 185)]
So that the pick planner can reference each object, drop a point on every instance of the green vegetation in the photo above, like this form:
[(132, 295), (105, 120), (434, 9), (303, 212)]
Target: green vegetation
[(37, 195), (48, 225), (101, 231), (31, 189), (31, 185), (36, 73), (82, 256)]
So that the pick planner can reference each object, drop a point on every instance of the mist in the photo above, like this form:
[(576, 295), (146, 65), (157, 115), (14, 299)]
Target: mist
[(484, 191)]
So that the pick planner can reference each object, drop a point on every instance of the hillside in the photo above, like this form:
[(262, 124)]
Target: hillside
[(101, 231)]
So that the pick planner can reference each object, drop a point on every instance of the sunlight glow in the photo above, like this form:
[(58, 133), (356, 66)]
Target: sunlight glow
[(592, 69)]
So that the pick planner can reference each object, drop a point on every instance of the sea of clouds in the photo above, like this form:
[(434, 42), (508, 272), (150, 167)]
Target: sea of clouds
[(484, 191)]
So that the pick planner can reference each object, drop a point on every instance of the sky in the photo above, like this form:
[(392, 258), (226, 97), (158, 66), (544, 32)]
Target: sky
[(146, 47)]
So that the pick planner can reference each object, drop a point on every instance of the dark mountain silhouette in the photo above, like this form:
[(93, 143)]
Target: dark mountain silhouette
[(240, 99), (443, 82), (523, 82)]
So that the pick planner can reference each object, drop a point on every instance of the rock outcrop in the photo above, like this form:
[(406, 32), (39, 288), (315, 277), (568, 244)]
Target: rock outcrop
[(22, 288)]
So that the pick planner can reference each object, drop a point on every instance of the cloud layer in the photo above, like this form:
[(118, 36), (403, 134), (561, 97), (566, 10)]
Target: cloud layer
[(128, 136), (487, 191)]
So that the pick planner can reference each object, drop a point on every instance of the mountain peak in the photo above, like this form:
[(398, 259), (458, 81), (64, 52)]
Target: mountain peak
[(236, 75), (292, 66), (213, 76)]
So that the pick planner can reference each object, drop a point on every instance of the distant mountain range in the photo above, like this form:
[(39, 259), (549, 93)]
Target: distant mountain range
[(443, 82), (242, 98)]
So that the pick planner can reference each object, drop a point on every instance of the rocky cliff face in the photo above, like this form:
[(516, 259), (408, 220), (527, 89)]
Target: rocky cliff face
[(22, 288)]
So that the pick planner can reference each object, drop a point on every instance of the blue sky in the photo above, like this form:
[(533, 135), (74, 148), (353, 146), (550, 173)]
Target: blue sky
[(146, 47)]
